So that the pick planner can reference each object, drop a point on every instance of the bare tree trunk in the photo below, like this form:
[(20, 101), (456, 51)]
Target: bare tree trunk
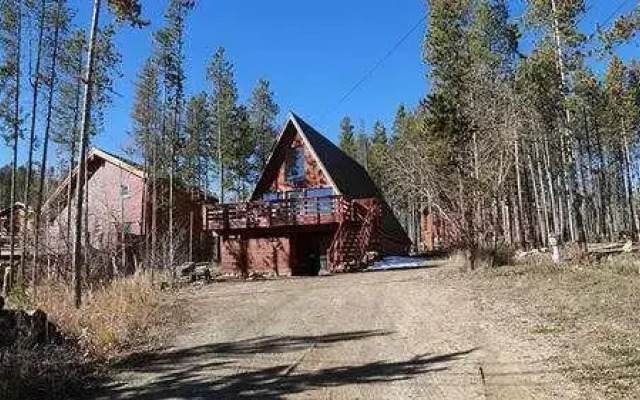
[(596, 189), (85, 217), (555, 211), (542, 224), (521, 234), (171, 255), (154, 207), (629, 182), (16, 135), (32, 135), (144, 225), (191, 222), (575, 198), (45, 145), (84, 138), (220, 161), (543, 196), (603, 186)]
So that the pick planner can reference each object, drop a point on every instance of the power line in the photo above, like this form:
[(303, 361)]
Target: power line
[(613, 14), (379, 63), (406, 36)]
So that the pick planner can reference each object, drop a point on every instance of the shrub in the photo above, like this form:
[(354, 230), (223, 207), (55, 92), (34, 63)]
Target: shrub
[(116, 317), (125, 313)]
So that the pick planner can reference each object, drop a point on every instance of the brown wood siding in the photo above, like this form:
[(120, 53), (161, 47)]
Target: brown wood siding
[(314, 177), (270, 255)]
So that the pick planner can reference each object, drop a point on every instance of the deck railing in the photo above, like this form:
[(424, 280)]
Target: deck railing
[(280, 213)]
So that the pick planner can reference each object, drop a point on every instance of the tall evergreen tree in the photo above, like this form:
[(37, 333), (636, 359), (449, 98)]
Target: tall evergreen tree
[(263, 111), (196, 150), (39, 9), (146, 116), (223, 106), (58, 20), (10, 106), (378, 153), (170, 55), (362, 146), (124, 10), (346, 139)]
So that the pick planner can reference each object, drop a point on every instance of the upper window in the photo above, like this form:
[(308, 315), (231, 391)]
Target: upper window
[(319, 192), (272, 196), (295, 164)]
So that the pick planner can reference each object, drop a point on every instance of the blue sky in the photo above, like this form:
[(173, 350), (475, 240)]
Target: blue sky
[(312, 52)]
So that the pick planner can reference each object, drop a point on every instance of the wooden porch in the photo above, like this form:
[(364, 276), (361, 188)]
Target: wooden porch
[(307, 211), (353, 226)]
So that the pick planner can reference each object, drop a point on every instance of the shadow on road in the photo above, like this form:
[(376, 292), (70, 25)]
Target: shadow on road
[(198, 373), (159, 361)]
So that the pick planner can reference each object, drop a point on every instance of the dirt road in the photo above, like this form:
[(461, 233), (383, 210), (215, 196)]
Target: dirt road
[(414, 334)]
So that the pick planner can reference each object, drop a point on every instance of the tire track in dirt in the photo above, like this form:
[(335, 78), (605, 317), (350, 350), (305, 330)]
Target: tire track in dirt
[(404, 335)]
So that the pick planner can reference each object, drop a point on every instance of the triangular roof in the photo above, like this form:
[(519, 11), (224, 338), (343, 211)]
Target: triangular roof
[(118, 161), (345, 174)]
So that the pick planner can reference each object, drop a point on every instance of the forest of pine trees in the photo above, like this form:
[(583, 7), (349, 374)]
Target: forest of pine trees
[(517, 139), (511, 146), (57, 83)]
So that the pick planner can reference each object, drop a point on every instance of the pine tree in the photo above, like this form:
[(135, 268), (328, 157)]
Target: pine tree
[(346, 139), (66, 120), (40, 10), (124, 10), (170, 58), (223, 106), (362, 146), (263, 111), (146, 134), (378, 153), (10, 110), (399, 123), (195, 154), (196, 149), (241, 150), (58, 20)]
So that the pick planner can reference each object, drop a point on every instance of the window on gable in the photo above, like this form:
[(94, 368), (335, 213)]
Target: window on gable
[(272, 196), (319, 192), (295, 165)]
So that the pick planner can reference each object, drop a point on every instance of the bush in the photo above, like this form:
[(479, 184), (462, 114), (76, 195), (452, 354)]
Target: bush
[(115, 318), (125, 313), (485, 257)]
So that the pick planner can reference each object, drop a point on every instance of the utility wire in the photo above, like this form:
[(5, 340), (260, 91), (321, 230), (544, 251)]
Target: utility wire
[(613, 14), (378, 64), (406, 36)]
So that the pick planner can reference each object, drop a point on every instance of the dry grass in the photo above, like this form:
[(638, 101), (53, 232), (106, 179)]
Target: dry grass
[(126, 315), (120, 316), (590, 312)]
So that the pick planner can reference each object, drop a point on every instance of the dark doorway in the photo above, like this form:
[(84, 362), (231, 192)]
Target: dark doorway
[(310, 254)]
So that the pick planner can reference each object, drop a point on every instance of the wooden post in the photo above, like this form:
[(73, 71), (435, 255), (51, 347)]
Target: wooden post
[(6, 283), (556, 254)]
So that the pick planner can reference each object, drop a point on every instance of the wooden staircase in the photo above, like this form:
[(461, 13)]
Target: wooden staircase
[(357, 234)]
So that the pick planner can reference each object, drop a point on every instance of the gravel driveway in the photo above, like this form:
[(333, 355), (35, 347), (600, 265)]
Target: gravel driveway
[(412, 334)]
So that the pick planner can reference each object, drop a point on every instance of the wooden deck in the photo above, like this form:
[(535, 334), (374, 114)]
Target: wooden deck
[(305, 211), (5, 249)]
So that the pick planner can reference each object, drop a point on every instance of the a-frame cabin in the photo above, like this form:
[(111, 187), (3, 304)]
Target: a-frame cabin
[(313, 206)]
